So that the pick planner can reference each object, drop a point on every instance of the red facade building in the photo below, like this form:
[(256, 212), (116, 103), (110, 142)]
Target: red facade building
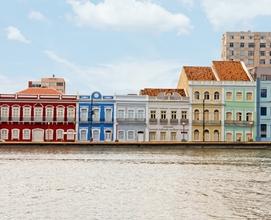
[(38, 115)]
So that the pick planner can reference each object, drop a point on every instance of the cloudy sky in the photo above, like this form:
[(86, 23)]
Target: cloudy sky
[(117, 46)]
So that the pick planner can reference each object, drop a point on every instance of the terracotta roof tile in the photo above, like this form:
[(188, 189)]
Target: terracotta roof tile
[(157, 91), (39, 91), (230, 71), (199, 73)]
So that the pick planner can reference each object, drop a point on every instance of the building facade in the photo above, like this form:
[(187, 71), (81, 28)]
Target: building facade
[(130, 114), (168, 114), (95, 118), (253, 48), (37, 115)]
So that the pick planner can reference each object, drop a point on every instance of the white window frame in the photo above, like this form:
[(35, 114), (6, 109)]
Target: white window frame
[(47, 118), (27, 117), (4, 117), (70, 134), (110, 119), (129, 139), (80, 132), (49, 134), (17, 136), (70, 113), (26, 136), (60, 117), (58, 137), (83, 118), (138, 115), (121, 139), (15, 117), (98, 118), (4, 134), (38, 118), (133, 115), (99, 134), (121, 116), (105, 132)]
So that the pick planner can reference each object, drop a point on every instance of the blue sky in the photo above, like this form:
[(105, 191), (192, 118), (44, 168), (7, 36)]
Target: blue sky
[(117, 46)]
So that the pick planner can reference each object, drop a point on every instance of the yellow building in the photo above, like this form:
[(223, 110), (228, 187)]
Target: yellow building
[(205, 92)]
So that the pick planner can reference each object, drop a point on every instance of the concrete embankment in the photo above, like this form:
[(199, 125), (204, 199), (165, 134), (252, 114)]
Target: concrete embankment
[(172, 145)]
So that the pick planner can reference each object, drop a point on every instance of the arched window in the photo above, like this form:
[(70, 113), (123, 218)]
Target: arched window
[(15, 111), (59, 134), (216, 135), (238, 116), (196, 95), (26, 134), (206, 115), (216, 96), (196, 135), (15, 134), (206, 95), (4, 134), (70, 134), (249, 116), (49, 134), (206, 135), (196, 114), (216, 115), (229, 116), (4, 113), (229, 136)]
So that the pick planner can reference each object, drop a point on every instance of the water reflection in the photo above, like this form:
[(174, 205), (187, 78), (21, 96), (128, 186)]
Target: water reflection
[(83, 183)]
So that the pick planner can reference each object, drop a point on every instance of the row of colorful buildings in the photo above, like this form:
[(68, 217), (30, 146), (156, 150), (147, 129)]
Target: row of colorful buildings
[(222, 102)]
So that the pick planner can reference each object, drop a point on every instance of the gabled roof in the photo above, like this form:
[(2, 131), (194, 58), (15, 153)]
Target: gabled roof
[(230, 71), (199, 73), (157, 91), (39, 91)]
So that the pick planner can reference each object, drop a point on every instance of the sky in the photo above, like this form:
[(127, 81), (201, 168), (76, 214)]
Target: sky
[(117, 46)]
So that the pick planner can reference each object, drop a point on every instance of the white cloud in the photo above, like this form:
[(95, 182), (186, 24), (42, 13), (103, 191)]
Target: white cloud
[(132, 15), (189, 3), (233, 13), (36, 15), (119, 77), (13, 33)]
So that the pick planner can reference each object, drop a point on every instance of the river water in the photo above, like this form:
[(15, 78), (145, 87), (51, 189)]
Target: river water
[(79, 183)]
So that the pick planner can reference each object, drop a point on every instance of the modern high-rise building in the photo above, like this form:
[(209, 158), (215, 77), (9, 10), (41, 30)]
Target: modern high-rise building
[(49, 82), (253, 48)]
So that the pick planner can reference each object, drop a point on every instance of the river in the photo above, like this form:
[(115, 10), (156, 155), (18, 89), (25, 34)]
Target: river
[(134, 184)]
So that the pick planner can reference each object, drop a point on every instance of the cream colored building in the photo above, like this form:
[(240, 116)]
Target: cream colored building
[(253, 48), (168, 114)]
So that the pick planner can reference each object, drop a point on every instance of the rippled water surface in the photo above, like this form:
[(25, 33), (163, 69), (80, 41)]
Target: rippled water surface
[(79, 183)]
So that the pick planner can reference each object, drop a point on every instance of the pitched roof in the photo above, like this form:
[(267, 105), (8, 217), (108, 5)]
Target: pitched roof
[(230, 71), (157, 91), (199, 73), (39, 91)]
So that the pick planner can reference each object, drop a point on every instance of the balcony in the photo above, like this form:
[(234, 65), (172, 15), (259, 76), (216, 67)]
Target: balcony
[(4, 119), (174, 121), (207, 122), (239, 123), (153, 121), (132, 120), (163, 121), (184, 121)]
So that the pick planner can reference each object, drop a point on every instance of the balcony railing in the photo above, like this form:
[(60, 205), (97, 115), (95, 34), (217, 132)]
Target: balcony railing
[(184, 121), (153, 121), (36, 120), (174, 121), (131, 120), (239, 123), (207, 122), (163, 121)]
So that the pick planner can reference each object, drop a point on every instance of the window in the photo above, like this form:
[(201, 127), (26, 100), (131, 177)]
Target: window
[(263, 130), (70, 134), (26, 113), (251, 45), (262, 45), (153, 114), (196, 95), (15, 134), (242, 53), (239, 96), (70, 113), (250, 53), (26, 134), (206, 115), (263, 111), (196, 114), (173, 114), (121, 113), (239, 136), (108, 115), (239, 116), (60, 134), (216, 96), (229, 95), (163, 114), (49, 134), (250, 61), (216, 115), (249, 116), (49, 114), (262, 37), (4, 134), (249, 96), (108, 135), (262, 61), (263, 93), (16, 113), (60, 114), (242, 44), (152, 136), (232, 53), (228, 116), (250, 37), (121, 135), (232, 37), (141, 113), (173, 136), (131, 113), (83, 135), (38, 114), (96, 135), (163, 136), (184, 114), (196, 135), (216, 135), (242, 37), (4, 113), (206, 96), (96, 114), (131, 135), (229, 136), (262, 53), (231, 44), (83, 114)]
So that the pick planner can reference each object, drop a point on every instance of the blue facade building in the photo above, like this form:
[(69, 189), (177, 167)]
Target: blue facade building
[(95, 117), (263, 75)]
